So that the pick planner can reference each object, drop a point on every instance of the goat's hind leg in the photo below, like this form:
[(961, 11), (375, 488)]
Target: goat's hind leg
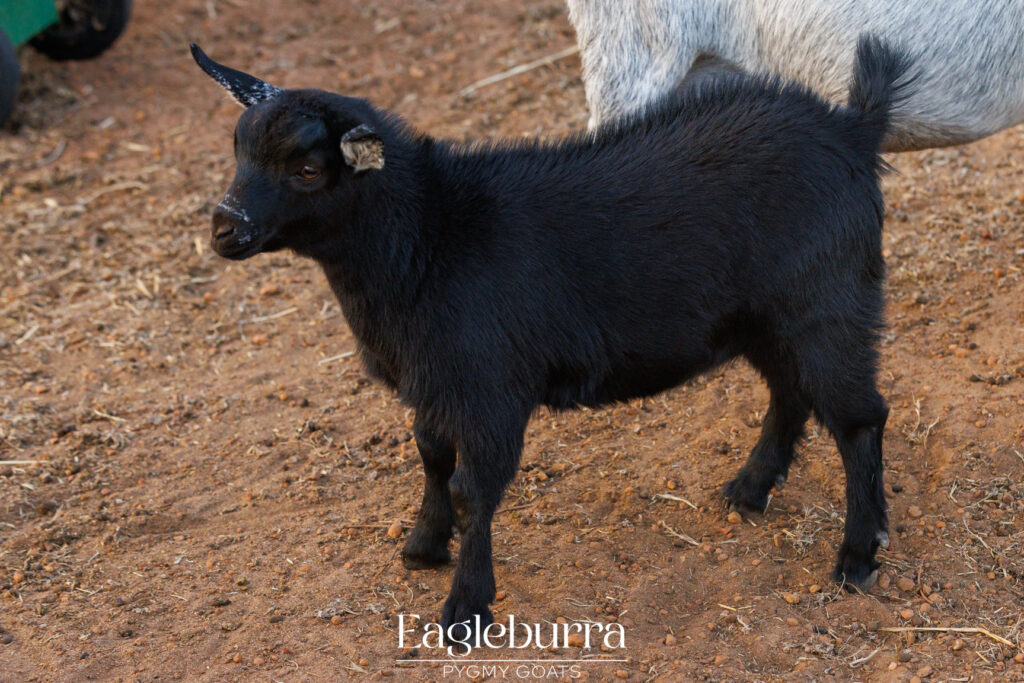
[(769, 462), (867, 524), (839, 379), (427, 545)]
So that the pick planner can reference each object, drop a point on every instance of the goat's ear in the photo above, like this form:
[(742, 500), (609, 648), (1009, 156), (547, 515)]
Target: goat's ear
[(248, 90), (363, 149)]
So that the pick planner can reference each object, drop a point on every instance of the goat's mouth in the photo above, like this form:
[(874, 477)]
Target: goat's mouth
[(236, 243), (235, 246)]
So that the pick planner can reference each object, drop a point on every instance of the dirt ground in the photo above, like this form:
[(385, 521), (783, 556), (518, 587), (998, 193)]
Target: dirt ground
[(208, 487)]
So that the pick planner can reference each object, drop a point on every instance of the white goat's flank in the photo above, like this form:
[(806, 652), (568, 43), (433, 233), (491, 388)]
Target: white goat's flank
[(968, 55)]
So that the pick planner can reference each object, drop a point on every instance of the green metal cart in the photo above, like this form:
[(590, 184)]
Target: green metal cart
[(72, 29)]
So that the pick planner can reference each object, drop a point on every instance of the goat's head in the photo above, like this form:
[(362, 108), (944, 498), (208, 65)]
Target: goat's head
[(292, 148)]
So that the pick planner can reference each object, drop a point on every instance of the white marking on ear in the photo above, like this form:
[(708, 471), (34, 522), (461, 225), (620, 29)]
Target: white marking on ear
[(363, 149)]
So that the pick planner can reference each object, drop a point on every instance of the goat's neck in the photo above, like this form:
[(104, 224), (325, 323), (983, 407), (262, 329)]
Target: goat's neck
[(377, 260)]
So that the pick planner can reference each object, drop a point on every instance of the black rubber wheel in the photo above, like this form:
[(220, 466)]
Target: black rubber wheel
[(86, 28), (10, 76)]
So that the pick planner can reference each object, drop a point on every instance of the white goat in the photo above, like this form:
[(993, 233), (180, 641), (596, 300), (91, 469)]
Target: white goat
[(969, 55)]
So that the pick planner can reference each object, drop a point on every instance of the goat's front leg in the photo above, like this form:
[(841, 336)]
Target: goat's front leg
[(427, 545), (484, 469)]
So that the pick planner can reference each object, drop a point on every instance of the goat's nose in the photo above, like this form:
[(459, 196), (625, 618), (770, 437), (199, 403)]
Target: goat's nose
[(223, 224)]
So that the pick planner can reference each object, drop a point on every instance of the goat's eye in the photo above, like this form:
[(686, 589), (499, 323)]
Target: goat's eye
[(309, 173)]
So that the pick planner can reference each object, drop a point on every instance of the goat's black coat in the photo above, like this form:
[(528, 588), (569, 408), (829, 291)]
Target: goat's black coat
[(739, 218)]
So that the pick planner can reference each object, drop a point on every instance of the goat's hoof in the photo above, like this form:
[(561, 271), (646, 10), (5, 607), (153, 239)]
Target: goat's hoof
[(434, 561), (883, 540), (423, 554), (856, 574), (742, 496), (463, 622), (866, 584)]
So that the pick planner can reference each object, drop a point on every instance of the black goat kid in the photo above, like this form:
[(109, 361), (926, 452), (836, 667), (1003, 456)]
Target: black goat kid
[(739, 218)]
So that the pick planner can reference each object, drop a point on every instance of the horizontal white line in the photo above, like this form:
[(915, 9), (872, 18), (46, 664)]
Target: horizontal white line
[(510, 661)]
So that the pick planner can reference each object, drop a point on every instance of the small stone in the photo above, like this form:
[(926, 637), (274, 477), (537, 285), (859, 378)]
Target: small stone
[(18, 576), (814, 589), (720, 660), (259, 339), (270, 289), (7, 639), (220, 602), (914, 512), (363, 662), (335, 620), (395, 530), (734, 517), (277, 619), (884, 581), (904, 656), (905, 584), (257, 661), (500, 595), (576, 640), (915, 679), (792, 621), (621, 673), (958, 645), (791, 598), (670, 639), (1019, 657), (907, 614), (925, 671)]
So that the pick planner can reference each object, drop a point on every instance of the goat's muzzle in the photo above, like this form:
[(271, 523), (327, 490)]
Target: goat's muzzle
[(233, 233)]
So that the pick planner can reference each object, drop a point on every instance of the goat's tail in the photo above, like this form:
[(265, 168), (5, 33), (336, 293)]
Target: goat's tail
[(880, 81)]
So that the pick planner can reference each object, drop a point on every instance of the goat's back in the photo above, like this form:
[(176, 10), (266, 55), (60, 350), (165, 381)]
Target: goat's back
[(623, 261)]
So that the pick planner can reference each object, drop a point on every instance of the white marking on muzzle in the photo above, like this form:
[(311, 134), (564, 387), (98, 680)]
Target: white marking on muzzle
[(231, 206)]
